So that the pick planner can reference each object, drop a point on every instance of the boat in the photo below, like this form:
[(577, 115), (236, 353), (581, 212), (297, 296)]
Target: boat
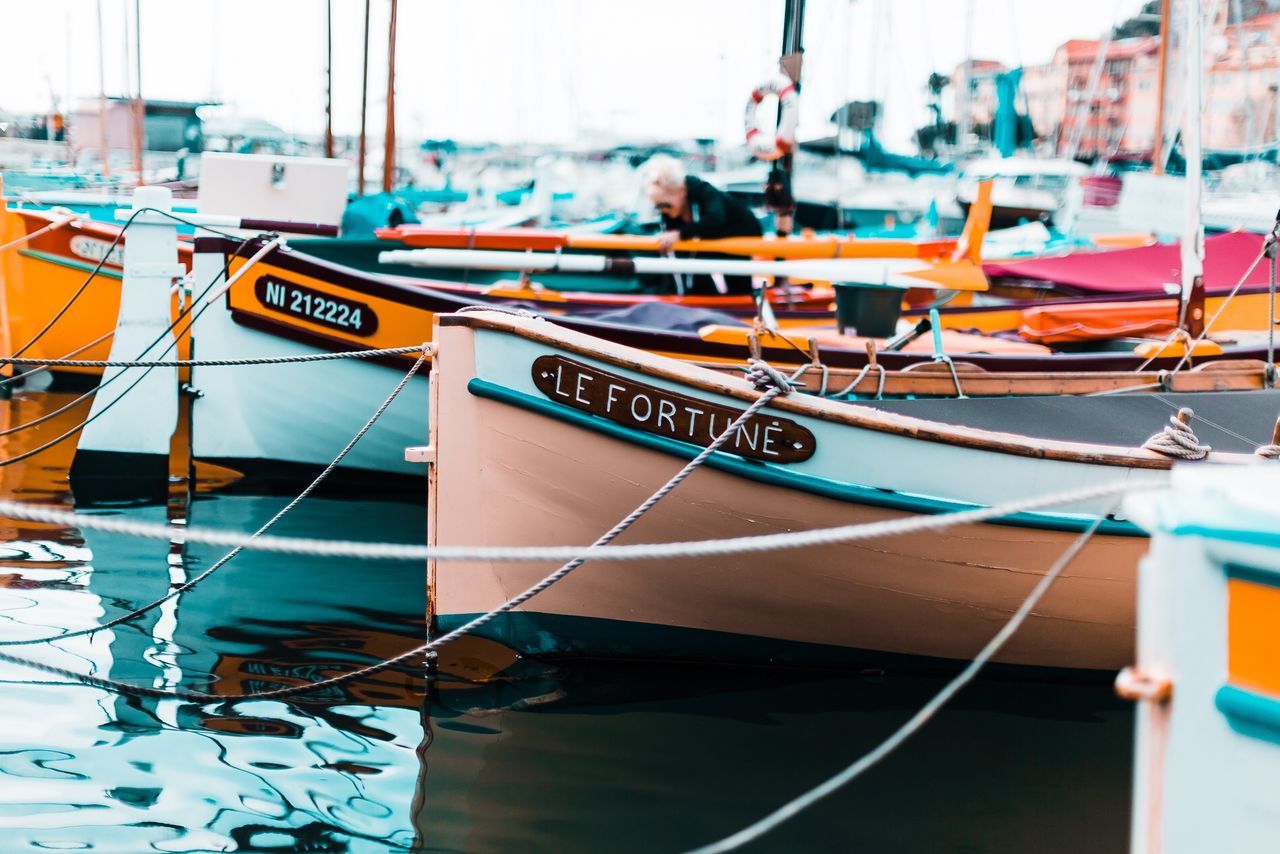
[(1027, 189), (530, 415), (1204, 677)]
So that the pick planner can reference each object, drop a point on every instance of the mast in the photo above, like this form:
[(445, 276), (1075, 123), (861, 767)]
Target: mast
[(328, 79), (139, 120), (103, 153), (1157, 148), (964, 107), (1192, 252), (777, 191), (389, 150), (364, 103)]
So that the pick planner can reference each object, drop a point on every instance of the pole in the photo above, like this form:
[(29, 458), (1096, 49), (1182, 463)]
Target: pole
[(139, 115), (777, 191), (1157, 148), (389, 150), (364, 103), (964, 107), (1193, 232), (103, 153), (328, 79)]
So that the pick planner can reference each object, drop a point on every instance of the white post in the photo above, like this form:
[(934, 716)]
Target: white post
[(123, 452)]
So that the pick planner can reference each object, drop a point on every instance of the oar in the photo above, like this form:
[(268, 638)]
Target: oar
[(866, 272)]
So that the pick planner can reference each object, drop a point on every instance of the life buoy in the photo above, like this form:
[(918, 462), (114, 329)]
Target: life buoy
[(784, 137)]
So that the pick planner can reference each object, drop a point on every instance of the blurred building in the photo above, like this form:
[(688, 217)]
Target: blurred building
[(167, 125)]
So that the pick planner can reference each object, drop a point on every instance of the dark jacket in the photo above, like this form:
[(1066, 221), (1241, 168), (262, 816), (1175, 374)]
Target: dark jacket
[(714, 214)]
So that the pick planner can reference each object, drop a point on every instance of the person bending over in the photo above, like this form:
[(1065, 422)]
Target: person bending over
[(692, 208)]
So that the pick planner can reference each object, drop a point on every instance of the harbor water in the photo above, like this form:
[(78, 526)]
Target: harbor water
[(496, 754)]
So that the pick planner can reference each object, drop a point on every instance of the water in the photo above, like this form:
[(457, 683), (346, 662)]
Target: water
[(497, 755)]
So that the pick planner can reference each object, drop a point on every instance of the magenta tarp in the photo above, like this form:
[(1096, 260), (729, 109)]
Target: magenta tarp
[(1146, 269)]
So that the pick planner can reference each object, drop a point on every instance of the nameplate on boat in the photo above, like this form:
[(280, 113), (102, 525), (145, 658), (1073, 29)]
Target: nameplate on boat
[(92, 249), (668, 413), (345, 315)]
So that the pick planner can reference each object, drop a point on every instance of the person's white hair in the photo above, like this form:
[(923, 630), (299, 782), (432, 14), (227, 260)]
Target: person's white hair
[(663, 176)]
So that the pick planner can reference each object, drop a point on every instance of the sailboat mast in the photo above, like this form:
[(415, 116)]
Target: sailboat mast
[(103, 153), (328, 79), (364, 103), (139, 115), (389, 149), (778, 197), (1192, 318), (1162, 59)]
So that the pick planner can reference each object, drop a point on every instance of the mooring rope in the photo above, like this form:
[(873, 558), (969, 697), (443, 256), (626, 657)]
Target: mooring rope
[(596, 551), (766, 376), (919, 719), (284, 511), (753, 544), (1177, 439), (215, 363)]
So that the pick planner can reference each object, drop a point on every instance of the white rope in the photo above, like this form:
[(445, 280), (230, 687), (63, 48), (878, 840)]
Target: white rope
[(216, 363), (1177, 439), (766, 373), (227, 558), (918, 720), (519, 554)]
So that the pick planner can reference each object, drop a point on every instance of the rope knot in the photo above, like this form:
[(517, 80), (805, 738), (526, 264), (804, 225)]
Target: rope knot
[(1268, 452), (764, 376), (1177, 439)]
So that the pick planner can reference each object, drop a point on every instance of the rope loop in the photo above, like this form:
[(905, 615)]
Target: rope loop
[(1268, 452), (1177, 439), (764, 377), (502, 309)]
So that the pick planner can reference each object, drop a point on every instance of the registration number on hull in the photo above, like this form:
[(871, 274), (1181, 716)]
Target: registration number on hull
[(314, 306), (669, 413)]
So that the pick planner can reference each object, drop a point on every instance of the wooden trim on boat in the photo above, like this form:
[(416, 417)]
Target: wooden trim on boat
[(933, 379), (826, 410)]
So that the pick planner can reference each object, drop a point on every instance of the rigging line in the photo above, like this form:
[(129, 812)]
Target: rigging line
[(777, 385), (93, 391), (80, 290), (225, 559), (45, 367), (920, 718), (1175, 407)]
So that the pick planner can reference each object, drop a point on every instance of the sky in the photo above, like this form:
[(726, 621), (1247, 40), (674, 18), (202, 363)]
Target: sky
[(534, 71)]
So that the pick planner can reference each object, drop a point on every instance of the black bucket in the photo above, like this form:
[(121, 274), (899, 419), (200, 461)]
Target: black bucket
[(869, 312)]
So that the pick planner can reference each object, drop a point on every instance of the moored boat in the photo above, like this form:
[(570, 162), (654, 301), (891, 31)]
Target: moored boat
[(527, 415)]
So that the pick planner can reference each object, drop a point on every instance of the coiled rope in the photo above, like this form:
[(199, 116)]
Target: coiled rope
[(1177, 439)]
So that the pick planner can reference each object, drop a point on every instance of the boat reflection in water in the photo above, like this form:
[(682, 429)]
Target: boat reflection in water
[(495, 754)]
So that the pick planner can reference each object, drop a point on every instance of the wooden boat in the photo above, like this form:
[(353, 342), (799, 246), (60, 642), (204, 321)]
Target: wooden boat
[(41, 277), (1205, 675), (530, 415)]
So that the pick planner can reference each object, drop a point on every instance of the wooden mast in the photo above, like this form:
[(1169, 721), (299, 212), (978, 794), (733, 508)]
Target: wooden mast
[(1192, 313), (139, 114), (328, 79), (103, 152), (364, 103), (1157, 149), (777, 191), (389, 149)]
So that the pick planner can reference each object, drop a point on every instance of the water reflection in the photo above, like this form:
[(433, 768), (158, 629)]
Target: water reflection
[(501, 754)]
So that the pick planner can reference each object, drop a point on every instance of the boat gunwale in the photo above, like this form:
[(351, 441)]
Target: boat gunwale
[(864, 417)]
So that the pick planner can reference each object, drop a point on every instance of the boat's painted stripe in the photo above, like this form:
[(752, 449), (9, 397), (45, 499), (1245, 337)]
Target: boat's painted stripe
[(775, 475), (61, 261), (1250, 713)]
